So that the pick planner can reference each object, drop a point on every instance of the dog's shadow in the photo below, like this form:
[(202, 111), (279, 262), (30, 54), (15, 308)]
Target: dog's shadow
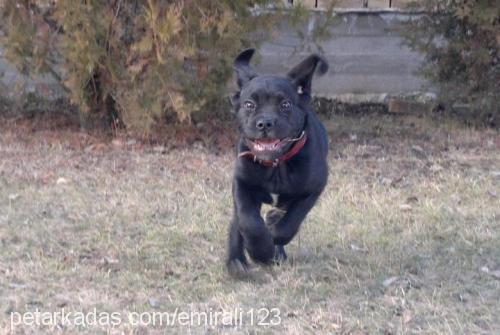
[(259, 273)]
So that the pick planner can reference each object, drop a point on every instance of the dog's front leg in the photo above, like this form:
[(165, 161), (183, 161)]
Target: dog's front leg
[(286, 228), (257, 239), (236, 261)]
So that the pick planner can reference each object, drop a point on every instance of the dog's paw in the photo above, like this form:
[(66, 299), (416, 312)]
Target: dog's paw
[(273, 216), (262, 254), (236, 268), (279, 255), (261, 247), (281, 234)]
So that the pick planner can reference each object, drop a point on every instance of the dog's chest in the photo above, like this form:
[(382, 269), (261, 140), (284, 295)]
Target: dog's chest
[(285, 180)]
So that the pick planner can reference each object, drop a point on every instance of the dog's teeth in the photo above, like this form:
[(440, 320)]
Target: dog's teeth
[(265, 146)]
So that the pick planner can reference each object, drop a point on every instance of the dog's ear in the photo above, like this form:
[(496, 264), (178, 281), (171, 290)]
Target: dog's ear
[(301, 75), (244, 71), (235, 100)]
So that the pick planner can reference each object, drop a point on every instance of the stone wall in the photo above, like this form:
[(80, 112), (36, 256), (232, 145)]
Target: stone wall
[(14, 84), (322, 4)]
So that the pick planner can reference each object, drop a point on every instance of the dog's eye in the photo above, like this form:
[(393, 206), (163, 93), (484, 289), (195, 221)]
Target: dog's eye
[(249, 105), (286, 105)]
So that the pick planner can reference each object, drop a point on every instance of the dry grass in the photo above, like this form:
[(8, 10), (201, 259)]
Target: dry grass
[(398, 244)]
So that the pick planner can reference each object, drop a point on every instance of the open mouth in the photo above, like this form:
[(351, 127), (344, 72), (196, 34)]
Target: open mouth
[(266, 144), (270, 145)]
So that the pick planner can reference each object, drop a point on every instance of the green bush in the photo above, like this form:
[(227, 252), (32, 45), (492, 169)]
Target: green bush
[(134, 62), (461, 39)]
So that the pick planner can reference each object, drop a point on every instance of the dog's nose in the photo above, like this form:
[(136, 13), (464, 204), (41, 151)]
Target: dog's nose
[(265, 123)]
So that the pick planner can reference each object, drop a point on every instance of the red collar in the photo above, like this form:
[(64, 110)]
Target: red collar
[(286, 156)]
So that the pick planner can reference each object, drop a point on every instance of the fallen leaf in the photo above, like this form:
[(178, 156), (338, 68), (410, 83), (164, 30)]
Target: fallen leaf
[(108, 260), (131, 142), (61, 300), (412, 199), (405, 207), (336, 326), (389, 281), (418, 151), (407, 316), (13, 197), (495, 274), (155, 303), (435, 167), (356, 248), (117, 143), (62, 180), (17, 285), (45, 178), (160, 149), (95, 147), (386, 181), (89, 148)]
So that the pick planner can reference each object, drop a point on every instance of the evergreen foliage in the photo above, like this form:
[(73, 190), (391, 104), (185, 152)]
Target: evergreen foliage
[(134, 62), (461, 40)]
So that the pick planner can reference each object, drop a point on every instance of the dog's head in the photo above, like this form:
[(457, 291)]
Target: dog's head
[(271, 110)]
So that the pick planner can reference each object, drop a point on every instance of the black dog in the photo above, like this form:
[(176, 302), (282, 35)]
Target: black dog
[(281, 160)]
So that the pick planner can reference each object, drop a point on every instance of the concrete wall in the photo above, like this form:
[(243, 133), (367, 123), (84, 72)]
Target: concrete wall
[(367, 59), (365, 53)]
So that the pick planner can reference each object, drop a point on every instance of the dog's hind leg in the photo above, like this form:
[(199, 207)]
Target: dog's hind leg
[(273, 216), (280, 254), (284, 230)]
